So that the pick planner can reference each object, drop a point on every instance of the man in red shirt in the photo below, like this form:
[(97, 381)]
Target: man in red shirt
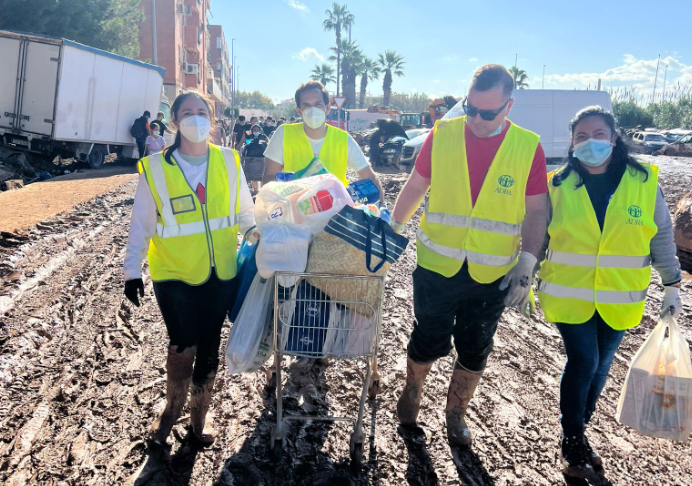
[(487, 206)]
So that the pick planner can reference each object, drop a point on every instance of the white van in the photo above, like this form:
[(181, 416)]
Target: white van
[(546, 112)]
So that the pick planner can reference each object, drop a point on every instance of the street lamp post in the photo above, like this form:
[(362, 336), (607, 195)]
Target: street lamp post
[(543, 81), (232, 74)]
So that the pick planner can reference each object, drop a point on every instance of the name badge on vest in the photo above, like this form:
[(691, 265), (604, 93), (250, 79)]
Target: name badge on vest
[(183, 204)]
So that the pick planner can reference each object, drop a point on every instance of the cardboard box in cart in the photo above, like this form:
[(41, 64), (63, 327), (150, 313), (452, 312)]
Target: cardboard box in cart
[(58, 97)]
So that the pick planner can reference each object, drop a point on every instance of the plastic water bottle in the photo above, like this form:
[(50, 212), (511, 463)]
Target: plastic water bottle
[(322, 201)]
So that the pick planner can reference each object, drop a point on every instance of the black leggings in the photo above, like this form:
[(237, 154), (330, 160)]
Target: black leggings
[(194, 316)]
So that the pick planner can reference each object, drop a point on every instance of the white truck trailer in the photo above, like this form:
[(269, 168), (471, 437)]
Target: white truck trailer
[(546, 112), (58, 97)]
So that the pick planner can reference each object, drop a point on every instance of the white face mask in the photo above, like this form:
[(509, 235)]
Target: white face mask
[(314, 117), (256, 134), (195, 128)]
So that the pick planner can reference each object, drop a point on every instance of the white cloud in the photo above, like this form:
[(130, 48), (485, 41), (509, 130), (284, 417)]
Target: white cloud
[(298, 6), (634, 74), (473, 59), (308, 54)]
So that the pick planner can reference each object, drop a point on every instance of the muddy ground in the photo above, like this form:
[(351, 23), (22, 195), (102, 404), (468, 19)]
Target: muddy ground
[(82, 377)]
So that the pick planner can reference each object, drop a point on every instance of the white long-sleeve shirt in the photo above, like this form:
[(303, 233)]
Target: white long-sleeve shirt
[(144, 214)]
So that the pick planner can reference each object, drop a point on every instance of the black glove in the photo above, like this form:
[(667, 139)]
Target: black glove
[(131, 288)]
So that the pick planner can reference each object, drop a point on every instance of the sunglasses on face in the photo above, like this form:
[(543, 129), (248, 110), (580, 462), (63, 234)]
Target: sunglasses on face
[(487, 115)]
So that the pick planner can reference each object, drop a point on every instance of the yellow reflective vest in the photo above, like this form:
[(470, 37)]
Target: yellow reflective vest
[(192, 238), (588, 270), (488, 233), (333, 154)]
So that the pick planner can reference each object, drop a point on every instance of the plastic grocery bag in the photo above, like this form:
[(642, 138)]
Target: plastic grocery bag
[(349, 334), (249, 341), (283, 248), (313, 168), (657, 397), (275, 200), (247, 269)]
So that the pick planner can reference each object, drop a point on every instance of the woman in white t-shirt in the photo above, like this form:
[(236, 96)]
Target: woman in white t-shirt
[(173, 219), (154, 142)]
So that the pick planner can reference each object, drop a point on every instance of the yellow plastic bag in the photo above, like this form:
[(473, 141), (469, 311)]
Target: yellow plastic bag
[(657, 397)]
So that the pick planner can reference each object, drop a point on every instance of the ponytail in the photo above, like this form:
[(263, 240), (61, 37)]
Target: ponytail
[(169, 151)]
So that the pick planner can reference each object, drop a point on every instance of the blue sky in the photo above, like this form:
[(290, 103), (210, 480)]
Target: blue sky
[(278, 42)]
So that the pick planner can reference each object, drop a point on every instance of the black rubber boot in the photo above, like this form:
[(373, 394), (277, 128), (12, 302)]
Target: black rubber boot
[(595, 459), (576, 459)]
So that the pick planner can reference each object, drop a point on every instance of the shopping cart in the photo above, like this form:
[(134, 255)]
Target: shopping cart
[(327, 316)]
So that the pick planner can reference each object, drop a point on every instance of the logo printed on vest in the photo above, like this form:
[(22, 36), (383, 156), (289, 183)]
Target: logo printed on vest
[(506, 181), (636, 213)]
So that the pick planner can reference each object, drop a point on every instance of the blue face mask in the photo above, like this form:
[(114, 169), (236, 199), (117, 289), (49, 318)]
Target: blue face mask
[(593, 152)]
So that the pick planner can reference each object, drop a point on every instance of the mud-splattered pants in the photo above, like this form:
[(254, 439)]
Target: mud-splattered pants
[(194, 316), (456, 307)]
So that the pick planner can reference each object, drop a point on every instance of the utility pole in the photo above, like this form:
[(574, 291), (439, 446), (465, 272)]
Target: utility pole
[(653, 96), (232, 74), (154, 47), (543, 81), (665, 75), (235, 79)]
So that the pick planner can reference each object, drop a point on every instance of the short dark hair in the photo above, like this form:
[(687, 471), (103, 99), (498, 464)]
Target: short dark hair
[(491, 76), (241, 118), (312, 85), (147, 114)]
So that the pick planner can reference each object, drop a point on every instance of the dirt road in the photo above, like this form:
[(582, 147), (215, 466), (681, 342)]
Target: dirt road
[(82, 377)]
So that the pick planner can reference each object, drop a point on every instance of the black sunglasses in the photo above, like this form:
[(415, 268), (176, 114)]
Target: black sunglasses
[(487, 115)]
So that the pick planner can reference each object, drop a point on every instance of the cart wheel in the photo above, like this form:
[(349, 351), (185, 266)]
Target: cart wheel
[(356, 453), (374, 388)]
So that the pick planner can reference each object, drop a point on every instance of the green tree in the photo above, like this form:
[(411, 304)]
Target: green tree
[(630, 115), (520, 78), (350, 58), (254, 99), (338, 19), (391, 64), (112, 25), (666, 115), (368, 71), (324, 73)]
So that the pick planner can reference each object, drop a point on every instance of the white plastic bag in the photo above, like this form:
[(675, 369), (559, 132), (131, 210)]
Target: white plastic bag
[(657, 397), (282, 248), (289, 202), (305, 212), (249, 341), (349, 334)]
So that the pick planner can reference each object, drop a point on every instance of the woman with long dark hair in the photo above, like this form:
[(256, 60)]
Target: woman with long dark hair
[(191, 202), (609, 224)]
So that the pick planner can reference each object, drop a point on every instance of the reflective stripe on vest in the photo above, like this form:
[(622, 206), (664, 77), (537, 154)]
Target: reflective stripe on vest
[(608, 261), (604, 296), (486, 234), (298, 153), (461, 255), (590, 270)]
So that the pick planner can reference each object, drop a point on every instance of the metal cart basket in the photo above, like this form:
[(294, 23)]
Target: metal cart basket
[(327, 316)]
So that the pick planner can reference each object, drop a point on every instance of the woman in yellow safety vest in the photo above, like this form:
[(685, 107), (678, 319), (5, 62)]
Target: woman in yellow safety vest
[(609, 223), (190, 204)]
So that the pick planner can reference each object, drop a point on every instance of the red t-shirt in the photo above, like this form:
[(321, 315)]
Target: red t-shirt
[(480, 153)]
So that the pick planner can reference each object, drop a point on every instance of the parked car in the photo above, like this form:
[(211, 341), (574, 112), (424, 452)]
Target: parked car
[(546, 112), (675, 135), (650, 141), (681, 148)]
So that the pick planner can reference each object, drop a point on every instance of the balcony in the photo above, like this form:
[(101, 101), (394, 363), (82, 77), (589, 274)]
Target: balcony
[(214, 90)]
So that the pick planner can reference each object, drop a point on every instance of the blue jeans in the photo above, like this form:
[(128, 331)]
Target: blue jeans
[(590, 349)]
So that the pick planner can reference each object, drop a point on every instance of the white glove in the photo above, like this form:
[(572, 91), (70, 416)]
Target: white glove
[(519, 280), (671, 301)]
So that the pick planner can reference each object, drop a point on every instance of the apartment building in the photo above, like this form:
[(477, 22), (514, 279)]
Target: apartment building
[(221, 68), (175, 35)]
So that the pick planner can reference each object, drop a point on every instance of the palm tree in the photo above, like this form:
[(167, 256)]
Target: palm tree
[(520, 78), (324, 73), (338, 19), (350, 58), (368, 71), (392, 64)]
